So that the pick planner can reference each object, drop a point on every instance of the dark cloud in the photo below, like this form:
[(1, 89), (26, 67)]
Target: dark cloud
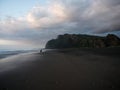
[(111, 2)]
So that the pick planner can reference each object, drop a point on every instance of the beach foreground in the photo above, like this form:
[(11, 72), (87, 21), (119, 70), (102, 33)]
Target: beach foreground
[(68, 69)]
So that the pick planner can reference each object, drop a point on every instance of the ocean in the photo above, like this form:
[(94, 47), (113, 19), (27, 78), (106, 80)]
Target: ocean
[(4, 54)]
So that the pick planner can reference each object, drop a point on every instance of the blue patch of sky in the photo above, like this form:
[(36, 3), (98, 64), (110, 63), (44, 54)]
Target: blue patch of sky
[(17, 8)]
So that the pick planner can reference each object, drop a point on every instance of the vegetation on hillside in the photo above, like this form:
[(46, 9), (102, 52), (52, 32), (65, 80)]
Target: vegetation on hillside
[(79, 40)]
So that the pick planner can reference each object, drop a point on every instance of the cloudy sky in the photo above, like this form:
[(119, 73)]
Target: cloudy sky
[(28, 24)]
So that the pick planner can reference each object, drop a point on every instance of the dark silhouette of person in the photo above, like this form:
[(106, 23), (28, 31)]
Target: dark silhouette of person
[(41, 51)]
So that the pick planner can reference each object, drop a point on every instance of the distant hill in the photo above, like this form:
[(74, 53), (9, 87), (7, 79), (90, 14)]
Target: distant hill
[(79, 40)]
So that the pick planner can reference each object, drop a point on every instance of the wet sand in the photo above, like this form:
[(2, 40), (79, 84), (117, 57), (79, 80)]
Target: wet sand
[(69, 69)]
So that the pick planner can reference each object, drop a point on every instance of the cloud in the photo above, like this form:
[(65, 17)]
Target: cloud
[(44, 22), (104, 14), (46, 16)]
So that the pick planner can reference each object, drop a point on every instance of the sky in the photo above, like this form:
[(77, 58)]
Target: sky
[(29, 24)]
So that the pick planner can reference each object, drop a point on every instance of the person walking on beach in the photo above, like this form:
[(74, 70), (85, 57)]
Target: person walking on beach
[(41, 51)]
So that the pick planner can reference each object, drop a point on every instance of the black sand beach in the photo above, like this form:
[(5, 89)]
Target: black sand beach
[(69, 69)]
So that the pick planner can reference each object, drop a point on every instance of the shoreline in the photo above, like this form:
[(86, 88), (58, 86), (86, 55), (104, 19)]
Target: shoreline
[(2, 56), (7, 54)]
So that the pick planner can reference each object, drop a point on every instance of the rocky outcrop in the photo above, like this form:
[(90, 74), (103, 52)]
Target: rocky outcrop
[(112, 40), (78, 41)]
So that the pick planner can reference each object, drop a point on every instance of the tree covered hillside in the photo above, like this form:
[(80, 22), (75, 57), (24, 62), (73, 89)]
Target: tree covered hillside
[(79, 40)]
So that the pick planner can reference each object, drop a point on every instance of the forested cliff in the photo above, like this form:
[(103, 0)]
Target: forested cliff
[(79, 40)]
